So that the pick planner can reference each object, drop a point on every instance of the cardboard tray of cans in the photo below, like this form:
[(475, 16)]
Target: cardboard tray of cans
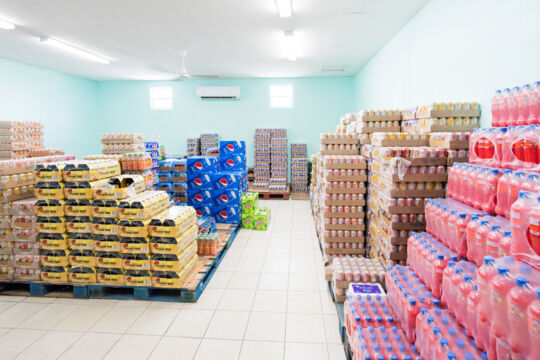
[(425, 113), (451, 161), (414, 177), (332, 251), (362, 177), (389, 117), (388, 224), (341, 239), (360, 202), (344, 166), (376, 203), (371, 130), (357, 227), (340, 152), (431, 128), (419, 161), (25, 179), (344, 215), (449, 144), (378, 233), (399, 142), (329, 141), (359, 190)]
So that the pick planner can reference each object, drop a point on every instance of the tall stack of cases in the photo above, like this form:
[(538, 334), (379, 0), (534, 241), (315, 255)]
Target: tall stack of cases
[(208, 142), (17, 139), (152, 149), (193, 147), (139, 163), (279, 160), (299, 168), (64, 194), (261, 170), (19, 245), (215, 184), (172, 176)]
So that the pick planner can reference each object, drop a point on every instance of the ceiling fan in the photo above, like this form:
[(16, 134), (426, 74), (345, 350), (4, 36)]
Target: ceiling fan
[(184, 74)]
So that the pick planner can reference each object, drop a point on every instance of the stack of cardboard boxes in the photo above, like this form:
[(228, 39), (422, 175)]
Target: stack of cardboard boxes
[(299, 168), (19, 245), (253, 216), (216, 183), (261, 169), (279, 160), (17, 139), (193, 147), (172, 176), (121, 143), (208, 141)]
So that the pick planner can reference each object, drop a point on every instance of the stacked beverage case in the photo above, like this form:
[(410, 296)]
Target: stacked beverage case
[(18, 139), (208, 142), (19, 244), (121, 143), (299, 168), (261, 170), (271, 160), (193, 147)]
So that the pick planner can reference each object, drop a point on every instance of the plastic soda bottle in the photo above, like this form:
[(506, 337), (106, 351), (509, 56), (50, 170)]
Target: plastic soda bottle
[(472, 312), (534, 104), (505, 243), (501, 285), (514, 186), (502, 193), (481, 242), (493, 239), (495, 111), (519, 299), (503, 109), (533, 324), (488, 192), (513, 112), (523, 105)]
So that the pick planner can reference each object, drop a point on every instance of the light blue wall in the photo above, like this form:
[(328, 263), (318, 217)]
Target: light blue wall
[(318, 104), (455, 50), (65, 104)]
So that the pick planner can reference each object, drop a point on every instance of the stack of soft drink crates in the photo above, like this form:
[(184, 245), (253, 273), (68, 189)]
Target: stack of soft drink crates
[(172, 178), (261, 169), (279, 160), (152, 149), (299, 168), (193, 147)]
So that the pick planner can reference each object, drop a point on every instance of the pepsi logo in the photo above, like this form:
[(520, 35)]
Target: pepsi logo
[(198, 197), (198, 165), (224, 214), (197, 181), (230, 162), (224, 197), (199, 212), (230, 147), (223, 182)]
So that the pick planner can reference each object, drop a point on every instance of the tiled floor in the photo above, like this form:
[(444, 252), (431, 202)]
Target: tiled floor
[(268, 300)]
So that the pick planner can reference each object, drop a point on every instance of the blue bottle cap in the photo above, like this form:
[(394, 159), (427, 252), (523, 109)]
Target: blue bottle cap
[(444, 342), (390, 319), (380, 357), (488, 260), (450, 355), (389, 347), (521, 281), (460, 343), (436, 302), (469, 356), (452, 332)]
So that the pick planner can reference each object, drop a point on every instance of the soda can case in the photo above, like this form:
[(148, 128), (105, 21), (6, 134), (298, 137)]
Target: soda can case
[(201, 165), (200, 197), (204, 210), (227, 180), (227, 196), (233, 162), (200, 182), (227, 214), (232, 148)]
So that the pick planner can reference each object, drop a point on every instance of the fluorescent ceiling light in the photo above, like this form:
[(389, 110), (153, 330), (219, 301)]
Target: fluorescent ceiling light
[(284, 8), (74, 50), (6, 25), (290, 45)]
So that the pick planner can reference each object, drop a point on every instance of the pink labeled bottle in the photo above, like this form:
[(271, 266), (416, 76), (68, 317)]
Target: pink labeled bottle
[(472, 312), (499, 140), (469, 187), (478, 186), (460, 245), (438, 269), (533, 324), (523, 105), (470, 248), (481, 242), (463, 293), (486, 273), (451, 226), (505, 243), (520, 222), (463, 184), (519, 299), (534, 228), (457, 187), (450, 182), (502, 193), (513, 112), (495, 109), (455, 280), (514, 187), (410, 325), (534, 104), (446, 282), (501, 285), (488, 201), (503, 108), (493, 239)]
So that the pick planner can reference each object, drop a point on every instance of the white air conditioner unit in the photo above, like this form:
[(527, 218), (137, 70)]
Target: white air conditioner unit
[(218, 92)]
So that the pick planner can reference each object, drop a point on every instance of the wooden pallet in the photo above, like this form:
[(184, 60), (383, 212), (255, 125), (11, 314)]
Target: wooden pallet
[(299, 195), (190, 291), (272, 195)]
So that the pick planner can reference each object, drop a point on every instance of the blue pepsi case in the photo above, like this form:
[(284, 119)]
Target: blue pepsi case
[(226, 180), (227, 214), (200, 197), (227, 196), (200, 182), (227, 148), (233, 162), (201, 164), (204, 210)]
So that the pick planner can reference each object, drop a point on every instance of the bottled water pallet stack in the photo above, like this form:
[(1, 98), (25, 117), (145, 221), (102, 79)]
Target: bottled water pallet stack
[(279, 161)]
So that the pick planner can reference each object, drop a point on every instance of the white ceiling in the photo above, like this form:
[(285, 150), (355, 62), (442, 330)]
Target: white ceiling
[(229, 38)]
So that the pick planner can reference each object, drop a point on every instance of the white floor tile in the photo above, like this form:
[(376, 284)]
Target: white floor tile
[(133, 347), (328, 305), (244, 280), (303, 282), (213, 349), (117, 320), (278, 253), (50, 346), (38, 300), (254, 253), (274, 281), (12, 298), (302, 266), (176, 348), (82, 319), (91, 346), (270, 301), (18, 313), (266, 326), (190, 323), (153, 322), (250, 265), (262, 350), (228, 263), (305, 328), (4, 305), (336, 352), (208, 300), (166, 305), (229, 325), (16, 341), (237, 299), (297, 351), (331, 326), (220, 280), (276, 266), (306, 302), (48, 317)]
